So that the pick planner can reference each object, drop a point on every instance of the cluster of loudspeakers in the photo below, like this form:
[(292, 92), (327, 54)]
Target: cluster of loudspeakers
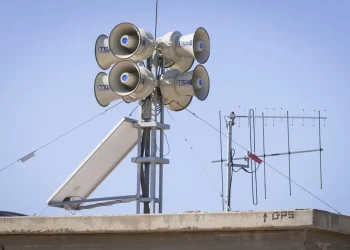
[(127, 46)]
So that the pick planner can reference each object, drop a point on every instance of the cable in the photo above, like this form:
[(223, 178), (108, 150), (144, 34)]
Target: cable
[(43, 210), (251, 172), (59, 137), (166, 138), (211, 126), (304, 189), (266, 163), (198, 160), (133, 110), (13, 163)]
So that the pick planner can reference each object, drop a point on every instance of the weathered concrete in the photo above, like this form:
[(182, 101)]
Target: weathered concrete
[(297, 229)]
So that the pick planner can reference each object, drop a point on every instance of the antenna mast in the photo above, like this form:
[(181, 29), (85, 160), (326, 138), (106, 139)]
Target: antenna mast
[(126, 48)]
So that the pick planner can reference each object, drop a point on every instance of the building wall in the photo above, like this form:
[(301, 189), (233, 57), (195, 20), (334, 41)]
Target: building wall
[(287, 240), (262, 240), (316, 240)]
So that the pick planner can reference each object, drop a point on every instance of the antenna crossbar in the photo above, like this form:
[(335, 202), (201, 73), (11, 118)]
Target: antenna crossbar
[(279, 117), (274, 154)]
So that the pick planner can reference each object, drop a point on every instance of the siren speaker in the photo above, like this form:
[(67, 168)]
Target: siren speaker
[(126, 41), (192, 83), (184, 65), (103, 55), (171, 98), (180, 104), (180, 51), (196, 45), (103, 93), (127, 79)]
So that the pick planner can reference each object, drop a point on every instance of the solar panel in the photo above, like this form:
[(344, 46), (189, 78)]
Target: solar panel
[(99, 164)]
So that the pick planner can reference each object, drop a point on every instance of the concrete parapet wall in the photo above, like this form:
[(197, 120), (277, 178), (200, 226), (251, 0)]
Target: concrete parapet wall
[(296, 229)]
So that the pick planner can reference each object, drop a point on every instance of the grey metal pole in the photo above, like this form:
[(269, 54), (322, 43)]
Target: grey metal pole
[(229, 165), (154, 65), (161, 149), (139, 153)]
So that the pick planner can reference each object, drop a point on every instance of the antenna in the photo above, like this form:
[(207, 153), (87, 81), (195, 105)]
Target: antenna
[(251, 158), (166, 81), (222, 169)]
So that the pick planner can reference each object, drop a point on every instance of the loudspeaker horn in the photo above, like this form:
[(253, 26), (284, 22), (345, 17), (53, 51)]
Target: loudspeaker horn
[(192, 83), (103, 93), (180, 51), (126, 41), (171, 98), (131, 81), (196, 45), (103, 55), (180, 104)]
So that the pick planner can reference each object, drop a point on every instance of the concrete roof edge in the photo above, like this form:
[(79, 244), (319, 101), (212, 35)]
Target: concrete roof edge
[(325, 220), (233, 221)]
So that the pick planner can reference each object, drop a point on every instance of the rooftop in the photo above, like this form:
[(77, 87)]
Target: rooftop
[(195, 221)]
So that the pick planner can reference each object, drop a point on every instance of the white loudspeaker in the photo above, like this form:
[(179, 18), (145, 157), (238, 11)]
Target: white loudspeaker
[(103, 93), (126, 41), (174, 84), (196, 45), (180, 103), (131, 81), (103, 55), (171, 98), (180, 51)]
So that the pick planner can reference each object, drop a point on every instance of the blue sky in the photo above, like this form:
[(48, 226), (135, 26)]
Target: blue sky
[(293, 55)]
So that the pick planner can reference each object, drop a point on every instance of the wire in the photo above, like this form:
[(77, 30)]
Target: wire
[(43, 210), (266, 163), (251, 172), (166, 138), (211, 126), (304, 189), (198, 160), (13, 163), (133, 110), (145, 104), (59, 137)]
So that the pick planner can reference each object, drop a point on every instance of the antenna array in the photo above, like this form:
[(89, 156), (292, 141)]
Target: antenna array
[(251, 158)]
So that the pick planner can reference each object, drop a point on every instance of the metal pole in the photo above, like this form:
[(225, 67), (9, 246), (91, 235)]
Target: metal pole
[(319, 137), (263, 124), (147, 149), (146, 209), (139, 154), (229, 164), (290, 183), (161, 149), (154, 102)]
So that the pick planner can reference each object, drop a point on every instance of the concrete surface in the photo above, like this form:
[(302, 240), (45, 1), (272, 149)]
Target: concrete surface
[(296, 229)]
